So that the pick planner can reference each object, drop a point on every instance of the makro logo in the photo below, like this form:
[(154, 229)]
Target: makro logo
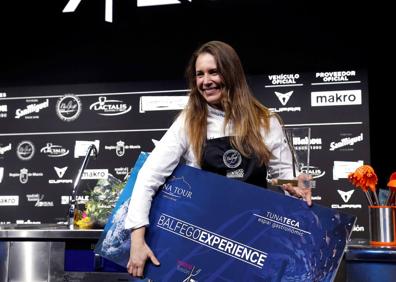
[(9, 200), (336, 98), (177, 188), (95, 174)]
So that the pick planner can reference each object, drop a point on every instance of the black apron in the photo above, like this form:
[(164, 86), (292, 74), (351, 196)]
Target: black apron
[(220, 157)]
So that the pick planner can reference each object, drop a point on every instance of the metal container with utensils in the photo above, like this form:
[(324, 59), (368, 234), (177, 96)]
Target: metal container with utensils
[(382, 225)]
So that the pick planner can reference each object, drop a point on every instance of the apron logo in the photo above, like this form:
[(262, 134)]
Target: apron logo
[(232, 158)]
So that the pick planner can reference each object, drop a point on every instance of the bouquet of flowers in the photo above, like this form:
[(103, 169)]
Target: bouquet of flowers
[(102, 199)]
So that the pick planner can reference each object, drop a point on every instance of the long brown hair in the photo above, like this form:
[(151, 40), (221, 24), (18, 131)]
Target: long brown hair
[(246, 114)]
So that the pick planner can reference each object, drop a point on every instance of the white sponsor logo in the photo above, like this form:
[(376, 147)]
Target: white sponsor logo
[(346, 196), (177, 188), (316, 198), (121, 170), (5, 149), (121, 147), (336, 98), (358, 228), (106, 107), (335, 75), (341, 169), (301, 144), (232, 158), (1, 174), (40, 203), (31, 108), (81, 148), (65, 200), (162, 103), (283, 97), (348, 141), (3, 108), (54, 151), (9, 200), (24, 175), (28, 221), (34, 197), (68, 107), (239, 173), (95, 174), (280, 79), (314, 171), (60, 172), (25, 150)]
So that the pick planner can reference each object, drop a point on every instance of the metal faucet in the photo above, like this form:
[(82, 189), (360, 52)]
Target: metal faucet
[(72, 207)]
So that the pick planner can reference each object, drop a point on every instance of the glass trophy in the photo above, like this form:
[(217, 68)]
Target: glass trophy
[(298, 140)]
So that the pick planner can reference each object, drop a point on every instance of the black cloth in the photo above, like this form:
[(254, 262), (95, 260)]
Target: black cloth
[(220, 157)]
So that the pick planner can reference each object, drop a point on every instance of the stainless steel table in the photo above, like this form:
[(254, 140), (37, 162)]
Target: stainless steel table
[(37, 253)]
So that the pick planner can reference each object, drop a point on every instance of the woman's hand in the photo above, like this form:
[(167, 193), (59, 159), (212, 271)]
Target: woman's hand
[(302, 190), (139, 254)]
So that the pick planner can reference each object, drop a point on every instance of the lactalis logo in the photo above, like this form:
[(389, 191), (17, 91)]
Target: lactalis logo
[(106, 107), (336, 98), (54, 151)]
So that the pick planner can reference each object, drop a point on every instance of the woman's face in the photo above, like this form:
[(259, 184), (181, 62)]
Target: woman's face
[(209, 81)]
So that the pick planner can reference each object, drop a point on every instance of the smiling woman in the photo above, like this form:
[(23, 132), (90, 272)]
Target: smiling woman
[(223, 129)]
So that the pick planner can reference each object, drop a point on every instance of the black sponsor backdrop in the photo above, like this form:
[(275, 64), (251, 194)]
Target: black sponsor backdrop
[(328, 124)]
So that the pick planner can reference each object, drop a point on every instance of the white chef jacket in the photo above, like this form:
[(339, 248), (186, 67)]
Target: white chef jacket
[(174, 145)]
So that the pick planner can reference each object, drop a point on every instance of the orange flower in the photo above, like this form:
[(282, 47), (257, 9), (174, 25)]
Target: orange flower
[(364, 177), (392, 180)]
